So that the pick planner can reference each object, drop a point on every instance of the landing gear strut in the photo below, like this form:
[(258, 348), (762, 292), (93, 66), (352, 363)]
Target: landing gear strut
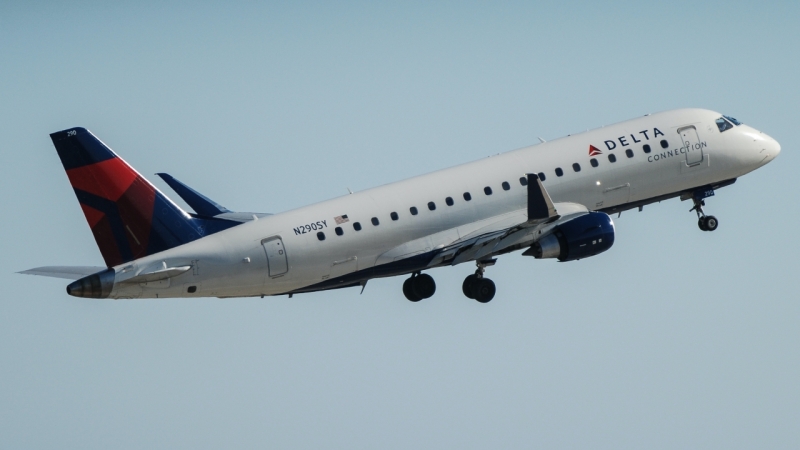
[(704, 222), (419, 286), (477, 287)]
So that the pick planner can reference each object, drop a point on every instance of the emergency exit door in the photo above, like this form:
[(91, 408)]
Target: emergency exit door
[(691, 144), (276, 256)]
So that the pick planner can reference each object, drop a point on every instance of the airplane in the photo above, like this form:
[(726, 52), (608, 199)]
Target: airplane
[(550, 200)]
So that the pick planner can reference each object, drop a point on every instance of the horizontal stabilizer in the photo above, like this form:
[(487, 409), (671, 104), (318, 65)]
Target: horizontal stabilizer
[(67, 272), (201, 204)]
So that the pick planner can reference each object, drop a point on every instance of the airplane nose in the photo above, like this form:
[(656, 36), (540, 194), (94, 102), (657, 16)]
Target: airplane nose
[(766, 148), (771, 147), (776, 148)]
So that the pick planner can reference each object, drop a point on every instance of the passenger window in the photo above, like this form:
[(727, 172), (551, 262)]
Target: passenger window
[(431, 206), (375, 221), (413, 210), (629, 152), (321, 236), (664, 143), (506, 186), (612, 158), (357, 226), (467, 196), (394, 216), (523, 181), (339, 231), (487, 190), (541, 176), (594, 162), (576, 167), (646, 148), (559, 172), (449, 201)]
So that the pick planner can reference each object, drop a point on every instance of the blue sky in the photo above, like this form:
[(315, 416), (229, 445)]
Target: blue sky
[(673, 338)]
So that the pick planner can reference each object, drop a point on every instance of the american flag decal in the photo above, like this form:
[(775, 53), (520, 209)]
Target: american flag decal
[(341, 219)]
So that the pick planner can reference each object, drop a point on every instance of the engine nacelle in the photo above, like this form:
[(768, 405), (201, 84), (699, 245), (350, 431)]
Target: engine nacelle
[(582, 237)]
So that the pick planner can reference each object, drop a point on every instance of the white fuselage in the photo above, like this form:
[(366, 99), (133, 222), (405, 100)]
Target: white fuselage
[(234, 262)]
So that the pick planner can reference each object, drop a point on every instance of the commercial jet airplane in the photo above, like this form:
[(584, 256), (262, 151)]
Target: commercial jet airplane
[(551, 200)]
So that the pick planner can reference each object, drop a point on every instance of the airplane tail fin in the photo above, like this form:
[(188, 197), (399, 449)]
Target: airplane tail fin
[(129, 217)]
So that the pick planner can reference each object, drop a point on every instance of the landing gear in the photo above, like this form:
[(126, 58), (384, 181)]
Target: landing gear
[(419, 286), (477, 287), (707, 223), (704, 222)]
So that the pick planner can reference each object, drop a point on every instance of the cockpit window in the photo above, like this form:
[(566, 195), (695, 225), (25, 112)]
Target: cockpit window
[(723, 124), (732, 120)]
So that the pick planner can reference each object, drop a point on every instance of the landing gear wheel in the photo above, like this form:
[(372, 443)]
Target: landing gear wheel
[(484, 290), (704, 222), (468, 287), (408, 290), (424, 286), (418, 287), (710, 223)]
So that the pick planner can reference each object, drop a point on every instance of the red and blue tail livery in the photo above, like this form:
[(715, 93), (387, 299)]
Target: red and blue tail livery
[(129, 217)]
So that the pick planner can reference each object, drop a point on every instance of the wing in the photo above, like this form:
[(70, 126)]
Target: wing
[(68, 272), (502, 236), (492, 236)]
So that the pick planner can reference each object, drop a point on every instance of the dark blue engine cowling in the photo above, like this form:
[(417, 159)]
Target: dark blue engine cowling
[(582, 237), (585, 236)]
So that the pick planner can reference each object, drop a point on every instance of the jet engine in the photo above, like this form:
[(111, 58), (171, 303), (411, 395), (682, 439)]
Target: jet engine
[(582, 237)]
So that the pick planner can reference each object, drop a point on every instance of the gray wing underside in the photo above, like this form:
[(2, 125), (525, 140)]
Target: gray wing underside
[(67, 272), (492, 236), (511, 233)]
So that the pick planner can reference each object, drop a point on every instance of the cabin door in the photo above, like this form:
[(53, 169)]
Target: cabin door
[(276, 256), (691, 144)]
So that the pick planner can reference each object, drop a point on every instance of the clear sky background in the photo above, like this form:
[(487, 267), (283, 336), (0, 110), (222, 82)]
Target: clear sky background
[(674, 338)]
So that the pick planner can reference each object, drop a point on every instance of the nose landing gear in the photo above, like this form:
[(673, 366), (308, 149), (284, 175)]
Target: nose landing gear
[(419, 286), (477, 287), (704, 222)]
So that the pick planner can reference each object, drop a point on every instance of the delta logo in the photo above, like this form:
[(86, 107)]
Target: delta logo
[(594, 151)]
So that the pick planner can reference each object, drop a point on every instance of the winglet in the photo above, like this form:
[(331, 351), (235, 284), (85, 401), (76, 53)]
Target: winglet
[(201, 204), (540, 207)]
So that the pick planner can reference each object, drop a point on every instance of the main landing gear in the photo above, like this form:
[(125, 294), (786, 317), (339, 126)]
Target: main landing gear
[(419, 286), (706, 223), (477, 287)]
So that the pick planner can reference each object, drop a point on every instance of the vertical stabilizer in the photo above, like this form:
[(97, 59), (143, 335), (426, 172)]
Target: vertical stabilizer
[(128, 216)]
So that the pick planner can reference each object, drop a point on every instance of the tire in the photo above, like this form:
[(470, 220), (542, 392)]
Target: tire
[(408, 291), (468, 287), (711, 223), (701, 223), (423, 286), (485, 290)]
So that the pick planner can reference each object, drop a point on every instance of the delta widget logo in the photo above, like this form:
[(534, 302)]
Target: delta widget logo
[(594, 151)]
